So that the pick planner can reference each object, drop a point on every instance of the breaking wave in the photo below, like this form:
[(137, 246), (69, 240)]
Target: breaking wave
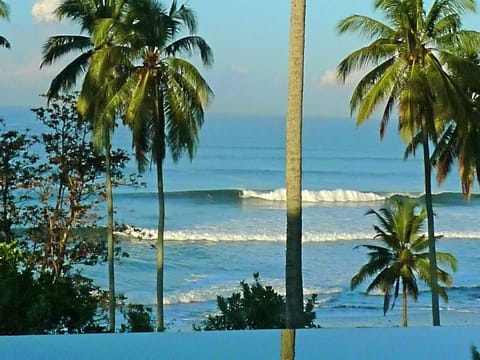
[(135, 233)]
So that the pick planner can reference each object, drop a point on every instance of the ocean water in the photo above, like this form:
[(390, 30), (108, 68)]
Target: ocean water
[(225, 220)]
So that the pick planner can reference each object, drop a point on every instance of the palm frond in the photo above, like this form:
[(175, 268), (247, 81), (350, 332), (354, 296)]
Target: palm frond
[(366, 26), (184, 15), (377, 52), (4, 42), (4, 10), (380, 92), (384, 279), (67, 77), (445, 152), (59, 46), (447, 259), (188, 46), (367, 82), (368, 270), (81, 12)]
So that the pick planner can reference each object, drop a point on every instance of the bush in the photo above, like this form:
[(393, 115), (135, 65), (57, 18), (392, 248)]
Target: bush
[(255, 307), (39, 303), (475, 353), (139, 319)]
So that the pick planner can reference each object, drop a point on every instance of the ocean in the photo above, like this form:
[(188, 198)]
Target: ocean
[(225, 220)]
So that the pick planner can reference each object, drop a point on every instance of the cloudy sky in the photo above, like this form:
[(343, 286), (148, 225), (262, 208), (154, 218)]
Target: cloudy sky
[(250, 43)]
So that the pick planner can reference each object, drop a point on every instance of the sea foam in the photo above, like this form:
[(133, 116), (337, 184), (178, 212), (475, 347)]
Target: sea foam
[(135, 233), (329, 196)]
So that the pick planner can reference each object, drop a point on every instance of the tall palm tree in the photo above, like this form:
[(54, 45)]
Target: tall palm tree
[(400, 260), (412, 72), (4, 13), (163, 96), (87, 13), (293, 269), (293, 260)]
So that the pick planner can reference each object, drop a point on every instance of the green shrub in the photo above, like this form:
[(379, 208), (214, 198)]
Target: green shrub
[(255, 307), (475, 353), (40, 303), (139, 319)]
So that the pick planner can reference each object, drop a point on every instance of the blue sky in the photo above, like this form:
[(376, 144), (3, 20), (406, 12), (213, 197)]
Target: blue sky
[(250, 43)]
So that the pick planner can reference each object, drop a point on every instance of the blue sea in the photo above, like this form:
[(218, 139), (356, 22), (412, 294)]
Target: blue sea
[(225, 220)]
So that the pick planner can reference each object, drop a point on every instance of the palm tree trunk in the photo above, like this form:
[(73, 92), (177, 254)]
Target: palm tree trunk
[(110, 249), (404, 306), (293, 266), (432, 254), (161, 227), (288, 344)]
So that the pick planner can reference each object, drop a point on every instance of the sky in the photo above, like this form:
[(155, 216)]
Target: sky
[(250, 44)]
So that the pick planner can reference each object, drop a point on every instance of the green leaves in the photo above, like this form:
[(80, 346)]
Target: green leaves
[(4, 13), (4, 10), (367, 26), (255, 307), (400, 258), (413, 61)]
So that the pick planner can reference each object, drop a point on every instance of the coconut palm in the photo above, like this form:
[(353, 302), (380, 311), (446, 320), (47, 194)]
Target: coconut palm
[(87, 13), (163, 96), (413, 62), (460, 140), (293, 173), (294, 283), (4, 13), (400, 260)]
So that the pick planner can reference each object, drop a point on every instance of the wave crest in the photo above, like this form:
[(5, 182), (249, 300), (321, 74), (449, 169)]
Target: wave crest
[(330, 196), (135, 233)]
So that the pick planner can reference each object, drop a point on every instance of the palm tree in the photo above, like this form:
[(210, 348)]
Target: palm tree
[(4, 13), (293, 263), (162, 97), (400, 261), (412, 72), (294, 283), (460, 140), (87, 14)]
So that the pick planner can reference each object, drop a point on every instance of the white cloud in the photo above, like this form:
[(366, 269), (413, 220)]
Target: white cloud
[(329, 79), (42, 10), (238, 69)]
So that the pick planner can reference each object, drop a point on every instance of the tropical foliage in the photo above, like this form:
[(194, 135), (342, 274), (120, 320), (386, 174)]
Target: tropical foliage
[(156, 92), (460, 140), (87, 14), (48, 223), (401, 260), (414, 64), (255, 307), (475, 353), (68, 186), (139, 318), (4, 13), (37, 303)]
